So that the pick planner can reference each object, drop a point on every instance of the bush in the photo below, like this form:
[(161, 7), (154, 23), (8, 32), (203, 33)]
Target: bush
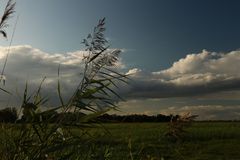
[(8, 115)]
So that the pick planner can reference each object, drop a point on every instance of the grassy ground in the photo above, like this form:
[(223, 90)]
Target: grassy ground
[(204, 141), (143, 141)]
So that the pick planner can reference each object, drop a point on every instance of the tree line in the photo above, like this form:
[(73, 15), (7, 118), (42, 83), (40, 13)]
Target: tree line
[(10, 115), (137, 118)]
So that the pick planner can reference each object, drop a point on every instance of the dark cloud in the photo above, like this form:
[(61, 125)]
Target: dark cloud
[(156, 89)]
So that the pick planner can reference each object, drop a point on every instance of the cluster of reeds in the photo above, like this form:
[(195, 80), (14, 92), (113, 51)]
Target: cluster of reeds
[(178, 125)]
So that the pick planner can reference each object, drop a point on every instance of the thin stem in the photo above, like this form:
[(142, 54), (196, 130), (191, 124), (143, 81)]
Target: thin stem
[(9, 47)]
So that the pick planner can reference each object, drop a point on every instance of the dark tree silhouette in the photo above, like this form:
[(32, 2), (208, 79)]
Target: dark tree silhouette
[(8, 115)]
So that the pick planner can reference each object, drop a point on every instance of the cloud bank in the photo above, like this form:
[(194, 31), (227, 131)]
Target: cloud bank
[(206, 75), (196, 74)]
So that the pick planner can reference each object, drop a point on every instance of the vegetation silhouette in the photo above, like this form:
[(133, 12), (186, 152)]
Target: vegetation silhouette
[(42, 133), (8, 115)]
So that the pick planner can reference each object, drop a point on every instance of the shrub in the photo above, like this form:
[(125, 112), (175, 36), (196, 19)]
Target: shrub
[(178, 124), (8, 115)]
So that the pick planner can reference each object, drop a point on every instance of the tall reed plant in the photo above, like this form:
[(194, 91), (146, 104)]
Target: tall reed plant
[(45, 133)]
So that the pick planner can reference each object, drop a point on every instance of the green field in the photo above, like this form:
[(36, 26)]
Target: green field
[(203, 141), (146, 141)]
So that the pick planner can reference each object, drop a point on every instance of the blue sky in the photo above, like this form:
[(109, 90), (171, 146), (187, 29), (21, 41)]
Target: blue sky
[(153, 33), (157, 32)]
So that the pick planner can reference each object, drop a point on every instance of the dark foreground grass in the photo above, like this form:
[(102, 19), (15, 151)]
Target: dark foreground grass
[(204, 141), (142, 141)]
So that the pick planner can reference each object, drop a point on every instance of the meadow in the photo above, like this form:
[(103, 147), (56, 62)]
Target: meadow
[(203, 141), (135, 141)]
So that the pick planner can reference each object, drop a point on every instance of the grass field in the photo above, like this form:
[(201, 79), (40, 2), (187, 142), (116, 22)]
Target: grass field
[(204, 141), (146, 141)]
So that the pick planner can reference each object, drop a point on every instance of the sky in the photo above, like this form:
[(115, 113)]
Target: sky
[(183, 55)]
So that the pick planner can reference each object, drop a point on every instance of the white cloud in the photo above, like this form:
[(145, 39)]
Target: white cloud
[(134, 71), (190, 64), (204, 63)]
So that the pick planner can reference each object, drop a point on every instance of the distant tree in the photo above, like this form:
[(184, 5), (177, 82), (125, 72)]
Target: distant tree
[(137, 118), (8, 115)]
